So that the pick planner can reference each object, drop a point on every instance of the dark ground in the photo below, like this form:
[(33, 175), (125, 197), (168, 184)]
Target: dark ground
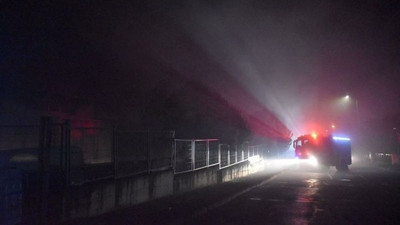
[(296, 194)]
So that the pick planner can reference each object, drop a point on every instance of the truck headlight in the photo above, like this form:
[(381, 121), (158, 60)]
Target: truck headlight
[(313, 160)]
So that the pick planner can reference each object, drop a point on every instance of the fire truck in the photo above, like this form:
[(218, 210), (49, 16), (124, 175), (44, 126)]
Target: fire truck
[(328, 150)]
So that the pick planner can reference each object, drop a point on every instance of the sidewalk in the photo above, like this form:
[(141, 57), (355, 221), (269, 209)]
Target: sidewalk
[(395, 167), (179, 208)]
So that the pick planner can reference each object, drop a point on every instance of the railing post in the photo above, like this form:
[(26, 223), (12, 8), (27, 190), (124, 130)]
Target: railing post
[(208, 153), (115, 151), (62, 148), (67, 141), (219, 155), (236, 154), (229, 155), (45, 140), (148, 151), (173, 155), (193, 155), (172, 163), (242, 148)]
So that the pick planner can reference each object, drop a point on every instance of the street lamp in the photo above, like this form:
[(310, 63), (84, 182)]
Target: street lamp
[(357, 121), (347, 98)]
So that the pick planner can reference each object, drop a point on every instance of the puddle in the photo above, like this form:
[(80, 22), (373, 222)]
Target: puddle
[(345, 180)]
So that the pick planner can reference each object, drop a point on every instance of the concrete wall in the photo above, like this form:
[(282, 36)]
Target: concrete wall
[(213, 175), (101, 197), (195, 179), (240, 170), (97, 198)]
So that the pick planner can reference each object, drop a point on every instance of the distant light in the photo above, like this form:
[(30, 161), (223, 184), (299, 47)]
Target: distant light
[(313, 160), (314, 135), (333, 126), (347, 97), (394, 128), (254, 159), (341, 138)]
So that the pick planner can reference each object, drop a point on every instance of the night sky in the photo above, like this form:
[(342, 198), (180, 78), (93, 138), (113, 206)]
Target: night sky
[(271, 67)]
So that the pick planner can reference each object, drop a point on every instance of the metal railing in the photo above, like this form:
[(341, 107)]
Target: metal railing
[(195, 154), (61, 154), (112, 153), (86, 154), (143, 151), (230, 156)]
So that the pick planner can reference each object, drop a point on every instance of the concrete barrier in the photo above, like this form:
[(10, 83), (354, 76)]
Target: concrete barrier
[(97, 198), (196, 179), (240, 170), (213, 175), (88, 200)]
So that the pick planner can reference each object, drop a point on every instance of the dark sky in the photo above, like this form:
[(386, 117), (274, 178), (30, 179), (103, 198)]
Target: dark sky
[(294, 60)]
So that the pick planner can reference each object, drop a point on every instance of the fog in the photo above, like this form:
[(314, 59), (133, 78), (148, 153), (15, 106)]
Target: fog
[(282, 67)]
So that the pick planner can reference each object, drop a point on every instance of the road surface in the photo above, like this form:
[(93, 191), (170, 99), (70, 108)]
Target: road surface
[(306, 195), (295, 193)]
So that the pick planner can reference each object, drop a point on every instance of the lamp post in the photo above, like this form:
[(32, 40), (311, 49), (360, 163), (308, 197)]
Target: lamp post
[(347, 98), (357, 122)]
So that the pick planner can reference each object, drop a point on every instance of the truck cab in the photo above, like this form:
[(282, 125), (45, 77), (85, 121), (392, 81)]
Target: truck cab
[(328, 150)]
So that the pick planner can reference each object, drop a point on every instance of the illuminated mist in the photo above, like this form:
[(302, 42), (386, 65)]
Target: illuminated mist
[(280, 67)]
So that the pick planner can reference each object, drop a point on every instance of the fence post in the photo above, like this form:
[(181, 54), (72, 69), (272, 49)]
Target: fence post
[(172, 164), (219, 155), (208, 153), (115, 151), (242, 152), (67, 163), (148, 151), (173, 156), (45, 140), (229, 154), (236, 154), (193, 155), (62, 149)]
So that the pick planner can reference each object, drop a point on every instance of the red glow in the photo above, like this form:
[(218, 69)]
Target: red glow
[(258, 118)]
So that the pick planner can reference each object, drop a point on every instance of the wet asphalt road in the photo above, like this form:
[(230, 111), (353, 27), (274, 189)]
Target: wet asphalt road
[(303, 194), (295, 193)]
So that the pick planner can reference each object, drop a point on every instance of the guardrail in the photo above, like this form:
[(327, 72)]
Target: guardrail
[(237, 154), (82, 154), (384, 158), (195, 154)]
